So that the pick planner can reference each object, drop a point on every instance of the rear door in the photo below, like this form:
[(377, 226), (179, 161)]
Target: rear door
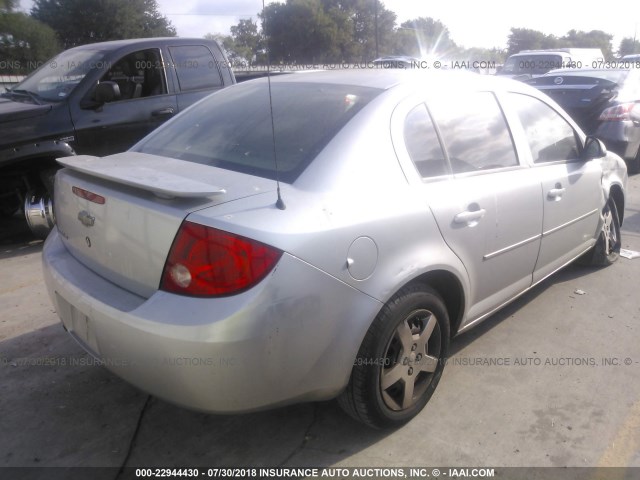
[(571, 188), (198, 73), (487, 207)]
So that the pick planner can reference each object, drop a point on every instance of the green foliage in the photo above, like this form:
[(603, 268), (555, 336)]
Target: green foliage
[(526, 39), (483, 55), (8, 5), (628, 46), (422, 37), (79, 22), (24, 43), (247, 41), (327, 31), (354, 31), (592, 39)]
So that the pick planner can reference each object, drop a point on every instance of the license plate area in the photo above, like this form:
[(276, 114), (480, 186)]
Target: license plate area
[(79, 325)]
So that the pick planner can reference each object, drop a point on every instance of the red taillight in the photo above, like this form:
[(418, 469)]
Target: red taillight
[(619, 112), (207, 262), (87, 195)]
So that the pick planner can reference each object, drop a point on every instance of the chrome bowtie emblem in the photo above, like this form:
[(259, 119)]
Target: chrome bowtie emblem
[(86, 218)]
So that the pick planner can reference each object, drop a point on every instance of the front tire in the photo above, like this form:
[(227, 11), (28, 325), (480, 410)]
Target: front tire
[(400, 361), (607, 248)]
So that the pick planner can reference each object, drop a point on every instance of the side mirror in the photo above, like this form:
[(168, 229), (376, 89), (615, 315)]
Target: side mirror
[(107, 92), (104, 92), (593, 148)]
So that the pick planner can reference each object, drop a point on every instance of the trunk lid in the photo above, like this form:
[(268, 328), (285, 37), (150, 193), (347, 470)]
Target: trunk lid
[(582, 97), (119, 215)]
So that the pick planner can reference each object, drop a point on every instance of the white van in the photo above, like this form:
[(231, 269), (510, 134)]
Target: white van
[(533, 63)]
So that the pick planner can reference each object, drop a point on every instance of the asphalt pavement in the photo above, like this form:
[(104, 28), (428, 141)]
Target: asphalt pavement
[(551, 380)]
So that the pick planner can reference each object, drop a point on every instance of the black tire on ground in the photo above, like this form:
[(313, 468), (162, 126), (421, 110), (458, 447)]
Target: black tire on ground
[(400, 361), (607, 248)]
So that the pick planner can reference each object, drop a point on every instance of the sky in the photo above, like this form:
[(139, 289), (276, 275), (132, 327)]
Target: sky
[(483, 24)]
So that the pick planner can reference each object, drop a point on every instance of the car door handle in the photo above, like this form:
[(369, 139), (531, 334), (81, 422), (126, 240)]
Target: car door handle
[(162, 112), (555, 193), (469, 216)]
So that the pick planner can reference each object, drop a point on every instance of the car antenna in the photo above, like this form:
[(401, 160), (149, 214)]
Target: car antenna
[(279, 203)]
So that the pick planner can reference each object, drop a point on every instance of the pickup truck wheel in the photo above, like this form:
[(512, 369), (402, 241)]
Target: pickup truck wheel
[(9, 205), (38, 211), (400, 361)]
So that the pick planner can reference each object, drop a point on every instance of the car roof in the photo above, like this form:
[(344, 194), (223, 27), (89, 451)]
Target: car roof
[(142, 42), (388, 78)]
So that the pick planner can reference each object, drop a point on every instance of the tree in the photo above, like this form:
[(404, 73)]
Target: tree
[(374, 28), (592, 39), (102, 20), (422, 37), (483, 55), (246, 41), (330, 31), (628, 46), (299, 32), (8, 5), (24, 43), (526, 39)]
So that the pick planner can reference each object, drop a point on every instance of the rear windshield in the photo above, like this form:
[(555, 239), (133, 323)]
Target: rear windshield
[(232, 129), (531, 64), (616, 76)]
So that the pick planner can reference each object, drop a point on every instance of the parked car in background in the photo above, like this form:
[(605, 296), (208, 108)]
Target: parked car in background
[(95, 99), (397, 61), (635, 57), (604, 102), (533, 63), (327, 243)]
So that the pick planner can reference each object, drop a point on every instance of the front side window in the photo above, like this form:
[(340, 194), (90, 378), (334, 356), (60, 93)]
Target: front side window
[(550, 136), (423, 145), (138, 75), (474, 132)]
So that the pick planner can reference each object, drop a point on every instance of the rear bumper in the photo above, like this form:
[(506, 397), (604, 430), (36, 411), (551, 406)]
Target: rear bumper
[(291, 338), (622, 137)]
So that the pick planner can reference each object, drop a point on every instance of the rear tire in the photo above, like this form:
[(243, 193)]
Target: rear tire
[(400, 361)]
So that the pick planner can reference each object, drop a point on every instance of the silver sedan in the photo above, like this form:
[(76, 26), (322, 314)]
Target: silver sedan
[(324, 236)]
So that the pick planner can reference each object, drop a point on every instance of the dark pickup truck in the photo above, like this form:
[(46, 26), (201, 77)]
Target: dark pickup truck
[(96, 99)]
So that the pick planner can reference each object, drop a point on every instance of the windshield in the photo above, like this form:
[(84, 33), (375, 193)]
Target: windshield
[(531, 64), (232, 129), (57, 78)]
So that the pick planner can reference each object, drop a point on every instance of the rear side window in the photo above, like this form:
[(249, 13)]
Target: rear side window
[(423, 145), (196, 67), (474, 132), (232, 129), (550, 137)]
